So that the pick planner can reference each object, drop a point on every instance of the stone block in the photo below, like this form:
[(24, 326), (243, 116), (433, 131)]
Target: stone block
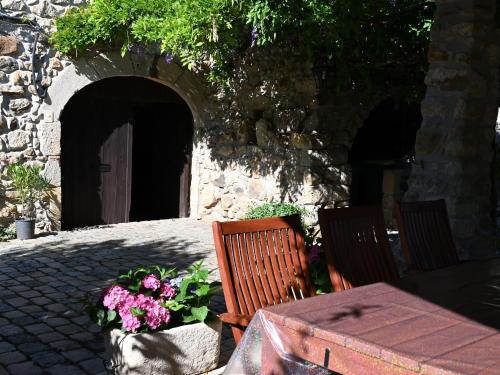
[(8, 45), (257, 190), (11, 89), (265, 137), (218, 179), (52, 172), (62, 2), (302, 141), (15, 78), (50, 138), (226, 202), (165, 352), (435, 54), (8, 64), (18, 5), (55, 63), (17, 105), (18, 139), (288, 120), (311, 123), (209, 197)]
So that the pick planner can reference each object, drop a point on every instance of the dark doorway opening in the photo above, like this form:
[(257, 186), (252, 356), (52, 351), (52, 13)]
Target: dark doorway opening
[(382, 152), (126, 153), (154, 193)]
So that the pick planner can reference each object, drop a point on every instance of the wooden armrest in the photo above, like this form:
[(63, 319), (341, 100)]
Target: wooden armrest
[(235, 319)]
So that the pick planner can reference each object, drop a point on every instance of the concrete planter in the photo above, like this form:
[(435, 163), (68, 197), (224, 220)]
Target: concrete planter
[(190, 349)]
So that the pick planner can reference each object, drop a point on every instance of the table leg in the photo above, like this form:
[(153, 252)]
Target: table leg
[(272, 362)]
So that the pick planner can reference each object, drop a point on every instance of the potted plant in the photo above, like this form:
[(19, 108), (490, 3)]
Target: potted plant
[(29, 186), (156, 322)]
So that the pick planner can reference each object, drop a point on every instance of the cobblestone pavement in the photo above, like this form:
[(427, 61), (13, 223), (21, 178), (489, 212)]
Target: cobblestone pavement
[(42, 328)]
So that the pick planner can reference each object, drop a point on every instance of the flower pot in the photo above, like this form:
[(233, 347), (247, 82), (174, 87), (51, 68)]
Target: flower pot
[(190, 349), (25, 229)]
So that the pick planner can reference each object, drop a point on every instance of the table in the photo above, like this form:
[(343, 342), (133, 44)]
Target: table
[(440, 322)]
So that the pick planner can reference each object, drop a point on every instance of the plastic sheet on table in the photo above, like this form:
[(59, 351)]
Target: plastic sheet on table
[(263, 349)]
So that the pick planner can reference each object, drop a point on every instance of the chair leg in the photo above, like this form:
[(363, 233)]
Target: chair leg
[(237, 334)]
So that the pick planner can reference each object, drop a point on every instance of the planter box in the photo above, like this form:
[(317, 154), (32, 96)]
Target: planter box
[(190, 349)]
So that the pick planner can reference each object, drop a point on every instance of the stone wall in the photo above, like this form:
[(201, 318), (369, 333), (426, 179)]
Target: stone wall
[(265, 138), (22, 134), (273, 146), (455, 144)]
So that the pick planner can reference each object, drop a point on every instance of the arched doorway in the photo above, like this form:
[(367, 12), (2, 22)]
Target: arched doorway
[(125, 153), (382, 152)]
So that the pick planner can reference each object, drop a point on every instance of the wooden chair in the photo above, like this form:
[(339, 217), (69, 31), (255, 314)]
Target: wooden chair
[(357, 246), (261, 262), (425, 234)]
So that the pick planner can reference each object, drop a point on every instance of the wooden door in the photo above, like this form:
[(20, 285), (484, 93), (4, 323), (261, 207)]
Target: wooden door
[(116, 174), (96, 162)]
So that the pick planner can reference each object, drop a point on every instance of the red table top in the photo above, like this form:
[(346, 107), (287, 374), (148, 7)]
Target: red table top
[(441, 322)]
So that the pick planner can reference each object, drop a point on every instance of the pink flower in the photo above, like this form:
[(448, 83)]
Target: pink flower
[(156, 316), (130, 322), (115, 296), (144, 302), (167, 291), (314, 252), (151, 282), (125, 306)]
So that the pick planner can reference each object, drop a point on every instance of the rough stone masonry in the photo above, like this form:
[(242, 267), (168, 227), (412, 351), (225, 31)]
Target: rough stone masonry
[(267, 137), (263, 139), (455, 146)]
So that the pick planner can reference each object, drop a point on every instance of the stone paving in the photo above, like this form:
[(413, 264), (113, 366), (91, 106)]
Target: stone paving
[(42, 327)]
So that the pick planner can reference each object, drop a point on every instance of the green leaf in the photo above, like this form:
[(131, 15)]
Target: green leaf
[(183, 289), (202, 290), (137, 312), (111, 315), (188, 319), (200, 313), (124, 49), (135, 286), (173, 305), (101, 315)]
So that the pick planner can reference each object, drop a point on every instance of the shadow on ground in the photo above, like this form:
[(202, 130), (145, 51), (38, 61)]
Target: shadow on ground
[(42, 326)]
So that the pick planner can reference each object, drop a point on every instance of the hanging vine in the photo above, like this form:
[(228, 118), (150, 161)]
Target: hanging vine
[(368, 42)]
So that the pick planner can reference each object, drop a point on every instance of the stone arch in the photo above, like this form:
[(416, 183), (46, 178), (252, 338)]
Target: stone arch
[(85, 71), (88, 70)]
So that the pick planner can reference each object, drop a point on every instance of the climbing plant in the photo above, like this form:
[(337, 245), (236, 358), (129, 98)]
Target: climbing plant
[(365, 41)]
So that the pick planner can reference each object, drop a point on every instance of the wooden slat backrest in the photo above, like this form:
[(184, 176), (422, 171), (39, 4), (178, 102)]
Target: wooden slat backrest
[(357, 246), (261, 262), (426, 239)]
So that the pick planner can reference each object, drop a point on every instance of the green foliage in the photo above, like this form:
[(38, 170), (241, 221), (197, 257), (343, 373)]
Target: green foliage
[(7, 233), (365, 41), (274, 209), (320, 277), (29, 185)]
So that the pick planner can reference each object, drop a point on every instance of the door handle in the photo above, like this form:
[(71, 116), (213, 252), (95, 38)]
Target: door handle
[(105, 168)]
